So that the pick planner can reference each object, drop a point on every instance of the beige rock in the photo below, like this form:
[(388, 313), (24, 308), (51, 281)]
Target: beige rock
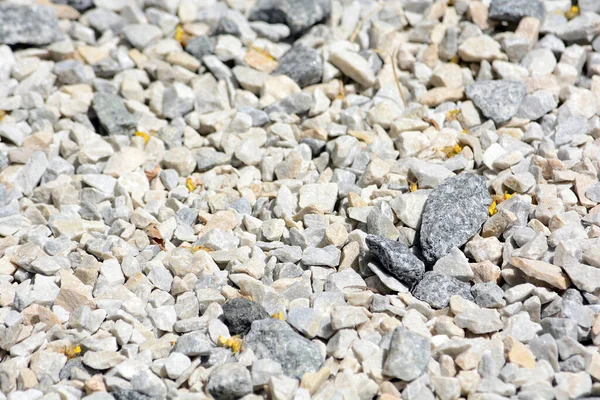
[(485, 271), (518, 353), (436, 96), (542, 271), (448, 75), (480, 48), (184, 59), (498, 223), (479, 14), (73, 293), (354, 66)]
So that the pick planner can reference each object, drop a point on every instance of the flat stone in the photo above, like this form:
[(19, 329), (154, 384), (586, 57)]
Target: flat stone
[(354, 66), (583, 276), (534, 106), (32, 25), (514, 10), (453, 213), (542, 271), (408, 356), (397, 259), (323, 195), (498, 100), (436, 289)]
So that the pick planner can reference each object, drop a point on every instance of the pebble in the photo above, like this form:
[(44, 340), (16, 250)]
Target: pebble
[(114, 117), (408, 356), (28, 25), (229, 382), (298, 15), (302, 64), (497, 100), (515, 10), (397, 259), (238, 314), (436, 289)]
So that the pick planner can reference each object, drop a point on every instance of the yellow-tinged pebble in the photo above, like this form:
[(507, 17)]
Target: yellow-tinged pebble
[(492, 208), (190, 185), (234, 343), (572, 13), (278, 315), (143, 135), (413, 187)]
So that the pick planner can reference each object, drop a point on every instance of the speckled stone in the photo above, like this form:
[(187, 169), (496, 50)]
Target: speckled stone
[(453, 213), (238, 314), (302, 64), (409, 355), (298, 15), (514, 10), (32, 25), (397, 259), (276, 340), (436, 289), (497, 100)]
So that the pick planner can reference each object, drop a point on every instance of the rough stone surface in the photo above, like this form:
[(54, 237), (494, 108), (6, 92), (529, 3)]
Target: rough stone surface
[(298, 15), (238, 315), (408, 356), (32, 25), (498, 100), (436, 289), (397, 259), (303, 64), (453, 213)]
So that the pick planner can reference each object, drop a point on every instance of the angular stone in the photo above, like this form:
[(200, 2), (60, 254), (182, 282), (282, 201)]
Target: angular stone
[(542, 271), (436, 289), (354, 66), (479, 321), (298, 15), (408, 356), (498, 100), (239, 313), (303, 64), (397, 259), (229, 382), (276, 340), (454, 212), (514, 10), (534, 106), (583, 276), (113, 116)]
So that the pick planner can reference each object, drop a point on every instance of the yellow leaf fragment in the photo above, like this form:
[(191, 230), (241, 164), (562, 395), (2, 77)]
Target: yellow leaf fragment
[(452, 115), (278, 315), (413, 187), (71, 351), (573, 12), (234, 343), (508, 195), (492, 208), (180, 35), (190, 185), (143, 135), (452, 151)]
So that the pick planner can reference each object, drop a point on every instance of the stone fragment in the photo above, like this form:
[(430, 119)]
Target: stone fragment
[(303, 64), (542, 271), (498, 100), (298, 15), (408, 356), (397, 259), (113, 116), (436, 289), (354, 66), (29, 25), (239, 313), (514, 10), (480, 321), (229, 382)]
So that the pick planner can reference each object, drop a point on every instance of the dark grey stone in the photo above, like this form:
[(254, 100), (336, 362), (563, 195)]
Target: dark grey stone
[(497, 100), (408, 356), (238, 314), (297, 103), (436, 289), (208, 158), (113, 116), (259, 117), (200, 46), (514, 10), (129, 395), (229, 382), (228, 26), (276, 340), (488, 295), (298, 15), (79, 5), (453, 213), (33, 25), (70, 72), (397, 259), (303, 64)]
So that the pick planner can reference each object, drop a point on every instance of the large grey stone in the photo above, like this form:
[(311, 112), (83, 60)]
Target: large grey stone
[(454, 212), (408, 356), (514, 10), (276, 340), (436, 289), (497, 100), (303, 64), (238, 314), (32, 25), (113, 116), (298, 15)]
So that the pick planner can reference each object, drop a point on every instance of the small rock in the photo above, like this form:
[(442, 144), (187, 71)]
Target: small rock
[(32, 25), (303, 64), (514, 10), (239, 313), (436, 289), (498, 100), (480, 321), (397, 259), (229, 382), (113, 115), (408, 356)]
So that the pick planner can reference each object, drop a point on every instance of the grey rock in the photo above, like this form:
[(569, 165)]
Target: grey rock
[(273, 32), (30, 175), (149, 384), (408, 356), (575, 363), (208, 158), (593, 192), (498, 100), (488, 295), (397, 259), (229, 382), (569, 128), (129, 395), (436, 289), (276, 340), (194, 344), (141, 35), (227, 26), (102, 19), (328, 256), (178, 100), (79, 5), (536, 105), (303, 64), (479, 321), (200, 46), (33, 25), (453, 213), (113, 116), (514, 10), (297, 103), (544, 347), (70, 72), (583, 27), (560, 327), (169, 178), (298, 15), (238, 315), (259, 117)]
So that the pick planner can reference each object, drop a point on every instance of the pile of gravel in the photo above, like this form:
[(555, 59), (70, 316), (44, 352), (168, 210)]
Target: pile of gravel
[(299, 199)]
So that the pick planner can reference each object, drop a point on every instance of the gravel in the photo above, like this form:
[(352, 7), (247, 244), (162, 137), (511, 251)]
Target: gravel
[(299, 199)]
